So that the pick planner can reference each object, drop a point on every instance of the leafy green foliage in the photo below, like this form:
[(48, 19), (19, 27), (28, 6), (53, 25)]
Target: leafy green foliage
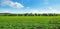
[(29, 22)]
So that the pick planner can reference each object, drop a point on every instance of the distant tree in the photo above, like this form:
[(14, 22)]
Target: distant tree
[(30, 14), (39, 14), (35, 14), (26, 14), (44, 14)]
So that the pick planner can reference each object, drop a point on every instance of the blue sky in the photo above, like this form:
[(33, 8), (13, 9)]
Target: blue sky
[(29, 6)]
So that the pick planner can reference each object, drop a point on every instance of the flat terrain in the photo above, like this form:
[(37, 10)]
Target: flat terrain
[(29, 22)]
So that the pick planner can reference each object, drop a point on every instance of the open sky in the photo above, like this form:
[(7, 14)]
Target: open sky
[(29, 6)]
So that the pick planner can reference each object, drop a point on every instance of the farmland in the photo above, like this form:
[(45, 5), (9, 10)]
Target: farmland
[(29, 22)]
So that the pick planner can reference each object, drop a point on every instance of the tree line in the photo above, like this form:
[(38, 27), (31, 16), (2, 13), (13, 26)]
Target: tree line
[(29, 14)]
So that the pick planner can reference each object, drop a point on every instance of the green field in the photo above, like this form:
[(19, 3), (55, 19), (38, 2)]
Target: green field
[(29, 22)]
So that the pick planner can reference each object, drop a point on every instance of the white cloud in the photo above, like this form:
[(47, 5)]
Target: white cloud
[(11, 4), (35, 11), (50, 8), (53, 10)]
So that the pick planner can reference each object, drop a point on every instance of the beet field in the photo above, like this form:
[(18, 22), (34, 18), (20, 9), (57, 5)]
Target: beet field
[(29, 22)]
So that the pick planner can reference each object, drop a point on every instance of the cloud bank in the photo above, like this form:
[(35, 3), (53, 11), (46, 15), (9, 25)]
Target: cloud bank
[(11, 4)]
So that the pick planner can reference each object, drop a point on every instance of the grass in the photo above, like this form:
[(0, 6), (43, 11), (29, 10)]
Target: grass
[(29, 22)]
